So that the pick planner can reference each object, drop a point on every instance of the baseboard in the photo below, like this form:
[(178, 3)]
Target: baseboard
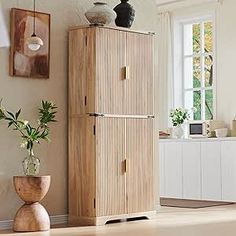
[(158, 207), (58, 220), (55, 220)]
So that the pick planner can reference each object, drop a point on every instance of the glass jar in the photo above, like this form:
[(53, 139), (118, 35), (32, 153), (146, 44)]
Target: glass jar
[(31, 164)]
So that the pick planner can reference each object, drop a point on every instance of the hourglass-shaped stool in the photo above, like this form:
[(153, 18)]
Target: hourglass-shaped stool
[(32, 216)]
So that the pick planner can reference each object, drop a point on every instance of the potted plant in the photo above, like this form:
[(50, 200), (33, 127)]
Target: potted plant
[(178, 117), (31, 135)]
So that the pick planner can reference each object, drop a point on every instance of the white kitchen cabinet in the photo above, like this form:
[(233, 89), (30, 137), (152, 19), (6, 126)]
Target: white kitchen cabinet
[(228, 162), (161, 169), (173, 170), (211, 170), (191, 170), (198, 169)]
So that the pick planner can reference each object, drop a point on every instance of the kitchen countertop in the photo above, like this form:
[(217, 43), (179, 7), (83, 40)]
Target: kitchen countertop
[(164, 140)]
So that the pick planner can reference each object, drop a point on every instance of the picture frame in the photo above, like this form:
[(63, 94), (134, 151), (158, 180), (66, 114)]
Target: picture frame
[(23, 61)]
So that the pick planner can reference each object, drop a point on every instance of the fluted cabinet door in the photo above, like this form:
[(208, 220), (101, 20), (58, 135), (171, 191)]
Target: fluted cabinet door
[(110, 185), (140, 165), (139, 84), (82, 167), (110, 62)]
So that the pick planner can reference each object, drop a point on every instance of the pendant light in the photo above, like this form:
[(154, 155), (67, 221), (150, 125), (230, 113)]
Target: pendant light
[(34, 42)]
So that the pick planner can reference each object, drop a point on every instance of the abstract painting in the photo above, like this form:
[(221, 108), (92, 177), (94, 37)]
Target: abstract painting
[(23, 61)]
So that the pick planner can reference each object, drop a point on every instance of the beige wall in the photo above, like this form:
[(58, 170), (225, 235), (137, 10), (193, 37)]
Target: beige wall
[(27, 94), (226, 61)]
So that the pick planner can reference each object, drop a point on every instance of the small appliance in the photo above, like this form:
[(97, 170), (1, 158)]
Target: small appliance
[(204, 128)]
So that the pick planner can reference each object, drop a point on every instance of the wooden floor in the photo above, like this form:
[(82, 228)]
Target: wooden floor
[(215, 221)]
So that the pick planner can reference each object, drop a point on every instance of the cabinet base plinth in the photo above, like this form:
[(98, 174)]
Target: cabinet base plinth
[(102, 220)]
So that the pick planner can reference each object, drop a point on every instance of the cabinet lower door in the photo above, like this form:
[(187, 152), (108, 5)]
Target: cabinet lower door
[(191, 162), (173, 170), (228, 168), (110, 184), (211, 170), (140, 165)]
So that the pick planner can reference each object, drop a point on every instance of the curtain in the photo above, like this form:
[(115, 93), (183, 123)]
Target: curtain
[(165, 83), (4, 38)]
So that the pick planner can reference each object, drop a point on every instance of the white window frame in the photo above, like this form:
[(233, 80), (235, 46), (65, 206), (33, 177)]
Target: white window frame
[(178, 59)]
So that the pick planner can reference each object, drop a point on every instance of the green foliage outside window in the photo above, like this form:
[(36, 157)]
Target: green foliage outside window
[(208, 70)]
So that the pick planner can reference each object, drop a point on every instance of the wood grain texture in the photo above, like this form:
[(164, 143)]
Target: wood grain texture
[(98, 145), (77, 72), (140, 173), (110, 61), (91, 69), (31, 218), (102, 220), (139, 87), (82, 164), (109, 27), (31, 189), (110, 154)]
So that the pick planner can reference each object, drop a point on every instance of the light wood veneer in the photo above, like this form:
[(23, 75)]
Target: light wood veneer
[(111, 159)]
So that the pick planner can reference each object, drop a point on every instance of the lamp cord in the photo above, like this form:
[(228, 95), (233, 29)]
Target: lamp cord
[(34, 20)]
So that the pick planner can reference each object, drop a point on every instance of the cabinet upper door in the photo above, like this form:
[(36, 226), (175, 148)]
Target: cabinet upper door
[(139, 85), (77, 72), (110, 183), (140, 165), (110, 61)]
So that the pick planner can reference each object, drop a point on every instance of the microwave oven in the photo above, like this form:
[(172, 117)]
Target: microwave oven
[(206, 128)]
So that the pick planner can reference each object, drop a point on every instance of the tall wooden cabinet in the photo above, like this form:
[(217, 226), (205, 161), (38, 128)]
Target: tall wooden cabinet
[(111, 157)]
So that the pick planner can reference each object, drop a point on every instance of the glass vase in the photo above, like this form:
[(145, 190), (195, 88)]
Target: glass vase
[(31, 165)]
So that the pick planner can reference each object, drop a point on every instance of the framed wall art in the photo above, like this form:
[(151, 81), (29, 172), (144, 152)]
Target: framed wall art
[(25, 62)]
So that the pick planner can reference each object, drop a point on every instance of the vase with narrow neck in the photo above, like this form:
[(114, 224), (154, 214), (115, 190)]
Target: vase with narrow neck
[(31, 164), (125, 14)]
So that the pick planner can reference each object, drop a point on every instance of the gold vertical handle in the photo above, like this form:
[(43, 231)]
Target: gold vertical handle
[(125, 166), (126, 72)]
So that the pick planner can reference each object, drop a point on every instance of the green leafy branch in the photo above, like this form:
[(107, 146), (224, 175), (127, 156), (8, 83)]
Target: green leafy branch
[(178, 116), (30, 134)]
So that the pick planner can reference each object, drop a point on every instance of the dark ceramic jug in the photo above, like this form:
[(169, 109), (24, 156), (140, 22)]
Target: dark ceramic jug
[(125, 14)]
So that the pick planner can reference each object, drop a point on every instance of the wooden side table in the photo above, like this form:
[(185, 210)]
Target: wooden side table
[(32, 216)]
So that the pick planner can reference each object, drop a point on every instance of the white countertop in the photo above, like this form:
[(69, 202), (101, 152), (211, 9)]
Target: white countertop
[(164, 140)]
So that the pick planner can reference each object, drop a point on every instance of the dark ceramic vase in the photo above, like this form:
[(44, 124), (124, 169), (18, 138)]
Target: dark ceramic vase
[(125, 14)]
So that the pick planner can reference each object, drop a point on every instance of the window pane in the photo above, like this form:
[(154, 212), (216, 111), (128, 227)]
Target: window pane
[(193, 99), (188, 39), (196, 72), (196, 38), (192, 72), (208, 61), (208, 36), (197, 105), (209, 104), (188, 100)]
